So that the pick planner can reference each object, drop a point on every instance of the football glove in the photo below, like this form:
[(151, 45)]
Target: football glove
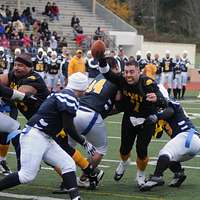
[(151, 119), (89, 148)]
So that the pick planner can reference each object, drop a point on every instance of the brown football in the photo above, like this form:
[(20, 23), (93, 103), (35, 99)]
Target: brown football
[(98, 48)]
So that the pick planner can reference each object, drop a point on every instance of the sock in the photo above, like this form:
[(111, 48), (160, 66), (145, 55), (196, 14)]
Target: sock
[(125, 157), (69, 180), (175, 166), (183, 90), (9, 181), (162, 164), (3, 151), (80, 160), (15, 142), (142, 163), (175, 93), (169, 91), (179, 93)]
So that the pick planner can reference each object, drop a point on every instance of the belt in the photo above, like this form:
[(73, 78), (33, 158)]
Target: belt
[(91, 124), (189, 137)]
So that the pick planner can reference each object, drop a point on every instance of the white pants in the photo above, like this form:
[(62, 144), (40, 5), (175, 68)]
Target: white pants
[(37, 146), (52, 80), (176, 149), (8, 124), (177, 82), (97, 135), (184, 77), (167, 77)]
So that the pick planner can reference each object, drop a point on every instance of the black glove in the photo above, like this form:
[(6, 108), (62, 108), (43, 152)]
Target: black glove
[(151, 119), (89, 148)]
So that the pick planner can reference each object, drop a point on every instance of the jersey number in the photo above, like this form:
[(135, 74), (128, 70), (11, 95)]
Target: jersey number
[(96, 86)]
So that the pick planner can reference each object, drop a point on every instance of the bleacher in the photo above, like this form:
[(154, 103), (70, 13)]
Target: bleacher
[(88, 20)]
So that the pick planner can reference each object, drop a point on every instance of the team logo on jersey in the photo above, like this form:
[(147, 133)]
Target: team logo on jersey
[(32, 77), (149, 82)]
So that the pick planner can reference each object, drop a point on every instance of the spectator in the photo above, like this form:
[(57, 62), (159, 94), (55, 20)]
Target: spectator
[(26, 41), (8, 13), (44, 28), (16, 15), (4, 42), (36, 26), (77, 63), (2, 29), (33, 14), (19, 27), (63, 43), (75, 20), (53, 43), (9, 29), (54, 12), (99, 34), (47, 10), (3, 14)]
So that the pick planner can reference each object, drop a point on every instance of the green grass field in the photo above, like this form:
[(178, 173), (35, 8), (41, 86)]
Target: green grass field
[(47, 180)]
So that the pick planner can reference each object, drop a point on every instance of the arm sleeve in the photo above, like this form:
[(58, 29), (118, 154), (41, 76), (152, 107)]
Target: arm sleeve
[(104, 68), (69, 128), (166, 113)]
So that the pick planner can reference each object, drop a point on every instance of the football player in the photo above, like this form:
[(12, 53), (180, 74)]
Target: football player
[(95, 106), (56, 113), (53, 69), (39, 63), (167, 71), (185, 63), (140, 96), (184, 145)]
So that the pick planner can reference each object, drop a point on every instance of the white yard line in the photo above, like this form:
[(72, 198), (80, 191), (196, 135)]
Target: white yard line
[(19, 196)]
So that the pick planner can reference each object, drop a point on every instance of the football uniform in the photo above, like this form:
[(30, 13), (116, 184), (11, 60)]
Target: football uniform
[(135, 108), (64, 62), (184, 70), (94, 107), (53, 68), (157, 62), (39, 65), (167, 72), (33, 79), (177, 75), (185, 142)]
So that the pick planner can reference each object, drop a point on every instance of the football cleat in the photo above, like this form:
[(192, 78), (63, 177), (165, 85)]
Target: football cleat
[(121, 168), (140, 178), (4, 168), (178, 179), (61, 190), (92, 181), (153, 181)]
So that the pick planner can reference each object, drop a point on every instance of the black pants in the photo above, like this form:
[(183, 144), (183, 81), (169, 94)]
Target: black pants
[(128, 135)]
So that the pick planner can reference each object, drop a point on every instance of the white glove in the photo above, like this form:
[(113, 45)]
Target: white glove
[(89, 148)]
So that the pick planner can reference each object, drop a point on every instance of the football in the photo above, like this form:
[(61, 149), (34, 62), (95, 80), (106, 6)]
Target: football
[(98, 48)]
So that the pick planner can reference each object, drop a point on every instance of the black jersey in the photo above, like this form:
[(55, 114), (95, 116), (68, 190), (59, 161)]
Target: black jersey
[(179, 122), (134, 96), (167, 65), (100, 96), (177, 67), (48, 119), (53, 66), (35, 80), (157, 62), (184, 64), (39, 63)]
